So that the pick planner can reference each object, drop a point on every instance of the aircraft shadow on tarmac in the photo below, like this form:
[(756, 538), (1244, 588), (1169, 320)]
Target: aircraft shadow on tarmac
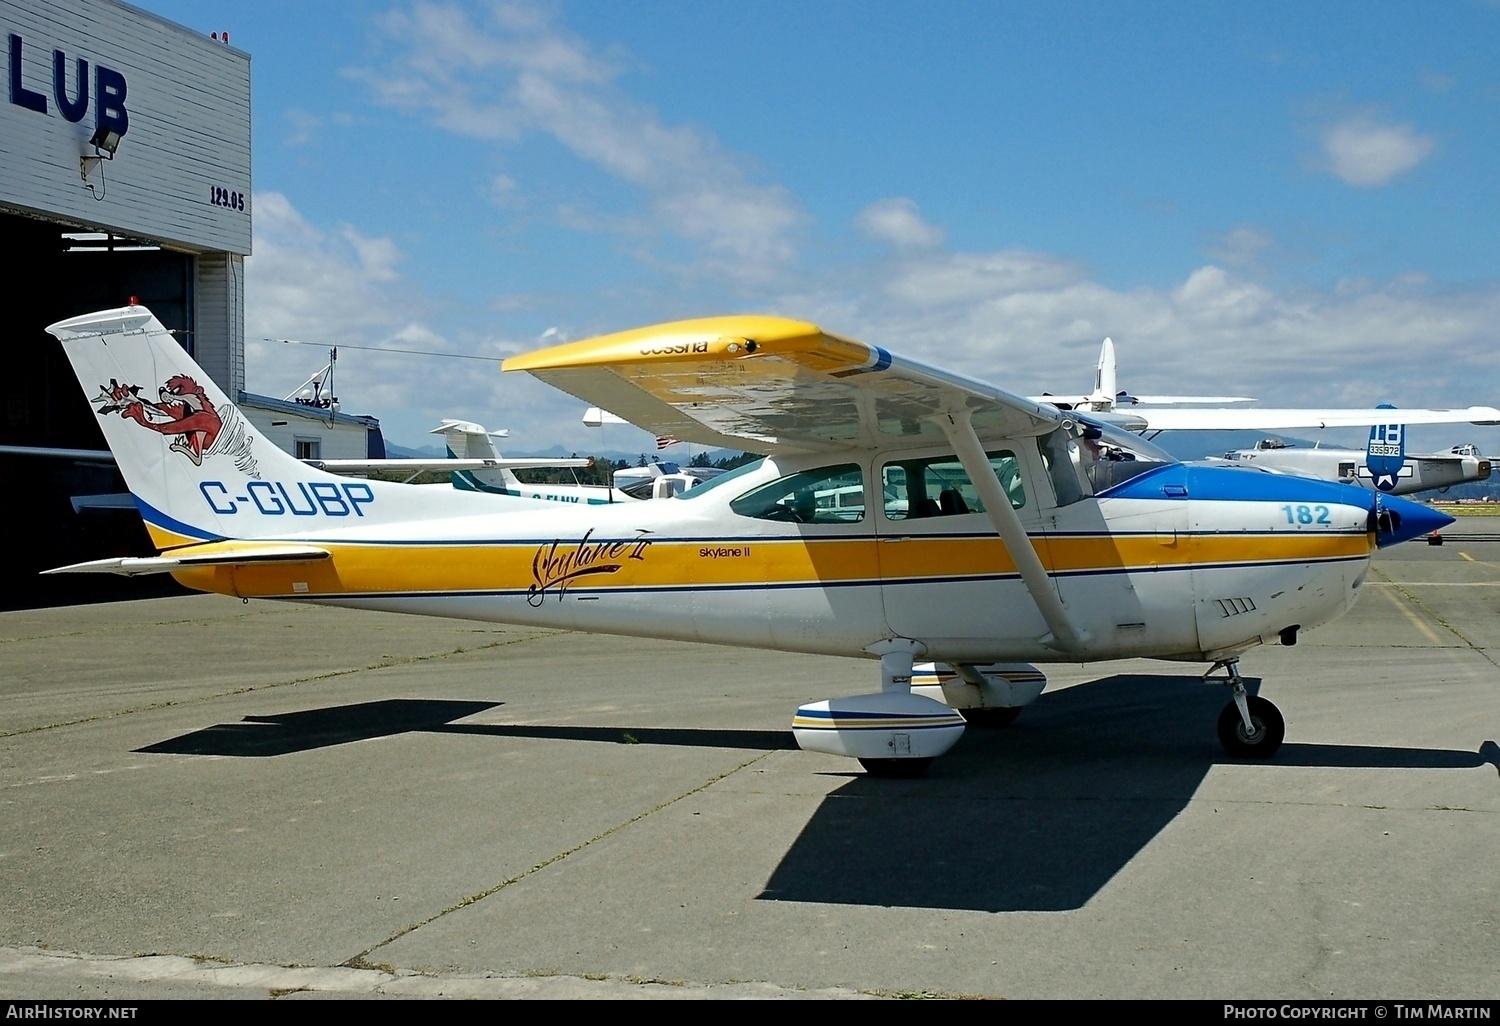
[(1038, 817), (286, 733)]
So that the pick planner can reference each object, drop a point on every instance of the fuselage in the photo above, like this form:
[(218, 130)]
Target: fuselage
[(1177, 561), (1418, 473)]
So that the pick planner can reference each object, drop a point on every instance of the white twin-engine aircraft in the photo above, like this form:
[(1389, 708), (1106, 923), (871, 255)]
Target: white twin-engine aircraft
[(904, 513)]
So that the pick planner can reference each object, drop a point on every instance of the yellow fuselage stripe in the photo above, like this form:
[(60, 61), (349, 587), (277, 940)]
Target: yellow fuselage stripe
[(394, 569)]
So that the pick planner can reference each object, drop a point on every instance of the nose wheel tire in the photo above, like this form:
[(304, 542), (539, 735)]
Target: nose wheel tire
[(1259, 743)]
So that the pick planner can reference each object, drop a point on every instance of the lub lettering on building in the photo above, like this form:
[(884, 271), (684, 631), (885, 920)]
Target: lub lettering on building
[(64, 84)]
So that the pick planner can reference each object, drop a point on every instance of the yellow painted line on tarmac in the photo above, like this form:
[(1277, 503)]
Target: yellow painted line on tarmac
[(1488, 565), (1411, 614)]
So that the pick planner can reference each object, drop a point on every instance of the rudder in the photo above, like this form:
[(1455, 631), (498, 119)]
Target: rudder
[(196, 467)]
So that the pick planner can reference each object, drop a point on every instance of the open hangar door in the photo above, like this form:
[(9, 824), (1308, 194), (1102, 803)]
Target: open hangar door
[(57, 271)]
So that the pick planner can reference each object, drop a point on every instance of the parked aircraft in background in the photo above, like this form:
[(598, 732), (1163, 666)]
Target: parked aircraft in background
[(657, 480), (477, 466), (1425, 472), (1178, 413), (662, 479), (1107, 396), (994, 532)]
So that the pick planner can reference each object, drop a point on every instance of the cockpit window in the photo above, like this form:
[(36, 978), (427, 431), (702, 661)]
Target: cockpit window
[(938, 486), (827, 495)]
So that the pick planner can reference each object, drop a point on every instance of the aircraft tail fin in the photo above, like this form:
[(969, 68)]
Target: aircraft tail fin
[(196, 467), (1106, 380), (467, 440), (1385, 452)]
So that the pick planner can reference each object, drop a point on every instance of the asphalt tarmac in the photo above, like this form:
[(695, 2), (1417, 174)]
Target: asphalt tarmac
[(207, 799)]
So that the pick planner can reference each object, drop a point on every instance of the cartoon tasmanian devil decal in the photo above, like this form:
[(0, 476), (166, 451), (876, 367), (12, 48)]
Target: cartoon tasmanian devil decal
[(182, 410)]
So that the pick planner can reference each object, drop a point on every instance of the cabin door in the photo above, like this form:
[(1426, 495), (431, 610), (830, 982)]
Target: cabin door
[(947, 579)]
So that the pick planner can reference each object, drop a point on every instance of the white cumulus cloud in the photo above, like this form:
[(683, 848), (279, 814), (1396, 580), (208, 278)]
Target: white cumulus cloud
[(511, 72), (897, 221), (323, 287), (1032, 322), (1366, 154)]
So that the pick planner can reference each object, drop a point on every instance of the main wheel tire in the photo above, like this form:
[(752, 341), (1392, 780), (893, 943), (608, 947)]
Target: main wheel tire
[(991, 718), (1260, 743), (896, 769)]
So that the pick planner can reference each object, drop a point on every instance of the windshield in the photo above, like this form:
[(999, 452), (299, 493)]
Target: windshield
[(1129, 441), (1112, 456)]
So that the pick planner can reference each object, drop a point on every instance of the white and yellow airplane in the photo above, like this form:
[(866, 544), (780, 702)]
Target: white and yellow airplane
[(904, 513)]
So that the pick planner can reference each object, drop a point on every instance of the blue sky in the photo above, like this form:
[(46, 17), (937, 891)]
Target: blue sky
[(1296, 201)]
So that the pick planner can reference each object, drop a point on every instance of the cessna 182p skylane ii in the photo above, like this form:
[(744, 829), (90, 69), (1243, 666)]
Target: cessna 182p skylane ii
[(987, 535)]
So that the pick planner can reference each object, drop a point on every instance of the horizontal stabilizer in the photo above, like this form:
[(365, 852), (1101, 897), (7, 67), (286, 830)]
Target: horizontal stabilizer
[(217, 555)]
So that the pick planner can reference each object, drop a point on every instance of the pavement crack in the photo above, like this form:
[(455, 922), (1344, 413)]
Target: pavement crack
[(1434, 617), (362, 959), (114, 628)]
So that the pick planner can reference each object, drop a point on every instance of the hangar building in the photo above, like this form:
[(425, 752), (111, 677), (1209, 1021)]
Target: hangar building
[(124, 174)]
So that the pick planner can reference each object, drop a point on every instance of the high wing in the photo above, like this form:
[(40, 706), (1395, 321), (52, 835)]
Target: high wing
[(1093, 402), (78, 455), (772, 384), (438, 463), (1174, 400), (1272, 419)]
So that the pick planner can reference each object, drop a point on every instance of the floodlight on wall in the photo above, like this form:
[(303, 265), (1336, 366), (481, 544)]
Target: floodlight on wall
[(105, 141)]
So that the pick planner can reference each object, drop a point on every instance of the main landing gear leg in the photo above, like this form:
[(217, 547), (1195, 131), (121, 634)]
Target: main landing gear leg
[(1250, 727)]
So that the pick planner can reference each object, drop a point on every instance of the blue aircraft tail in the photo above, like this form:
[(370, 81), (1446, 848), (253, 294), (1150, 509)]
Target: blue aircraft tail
[(1385, 453)]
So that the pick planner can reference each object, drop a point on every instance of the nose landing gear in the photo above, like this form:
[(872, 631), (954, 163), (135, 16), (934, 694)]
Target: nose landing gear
[(1250, 727)]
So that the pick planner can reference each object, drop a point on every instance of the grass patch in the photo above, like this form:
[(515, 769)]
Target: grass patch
[(1469, 509)]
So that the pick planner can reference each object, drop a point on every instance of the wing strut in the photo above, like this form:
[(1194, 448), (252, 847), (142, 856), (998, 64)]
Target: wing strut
[(960, 431)]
